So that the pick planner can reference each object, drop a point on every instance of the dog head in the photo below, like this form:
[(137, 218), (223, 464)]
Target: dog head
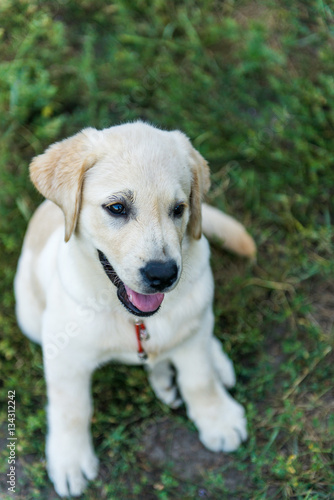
[(132, 194)]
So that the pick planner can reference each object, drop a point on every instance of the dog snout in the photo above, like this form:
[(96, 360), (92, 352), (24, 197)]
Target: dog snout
[(160, 275)]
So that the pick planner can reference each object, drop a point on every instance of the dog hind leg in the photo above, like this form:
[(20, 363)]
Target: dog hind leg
[(222, 364)]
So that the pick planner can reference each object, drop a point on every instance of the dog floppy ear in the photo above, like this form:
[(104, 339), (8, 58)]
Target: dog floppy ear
[(59, 172), (199, 187)]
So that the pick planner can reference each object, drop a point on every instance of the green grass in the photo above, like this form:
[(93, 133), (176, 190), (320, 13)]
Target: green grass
[(251, 83)]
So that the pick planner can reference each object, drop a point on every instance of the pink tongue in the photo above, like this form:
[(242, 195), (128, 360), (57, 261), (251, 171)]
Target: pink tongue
[(145, 303)]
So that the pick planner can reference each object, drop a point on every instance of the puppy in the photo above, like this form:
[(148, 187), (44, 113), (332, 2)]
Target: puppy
[(130, 283)]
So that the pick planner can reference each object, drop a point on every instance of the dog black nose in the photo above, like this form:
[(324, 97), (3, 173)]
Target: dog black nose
[(160, 275)]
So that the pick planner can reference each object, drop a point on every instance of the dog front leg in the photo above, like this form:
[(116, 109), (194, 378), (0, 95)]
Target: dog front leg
[(218, 417), (69, 449)]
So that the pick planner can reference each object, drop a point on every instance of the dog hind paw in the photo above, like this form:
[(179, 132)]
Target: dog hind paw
[(162, 380)]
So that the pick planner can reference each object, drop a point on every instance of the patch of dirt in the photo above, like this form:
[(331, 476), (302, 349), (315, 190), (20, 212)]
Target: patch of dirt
[(171, 443)]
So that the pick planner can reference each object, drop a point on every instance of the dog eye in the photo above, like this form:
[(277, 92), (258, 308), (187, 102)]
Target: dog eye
[(178, 210), (116, 209)]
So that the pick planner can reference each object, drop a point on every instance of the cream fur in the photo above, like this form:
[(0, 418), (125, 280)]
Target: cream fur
[(66, 302)]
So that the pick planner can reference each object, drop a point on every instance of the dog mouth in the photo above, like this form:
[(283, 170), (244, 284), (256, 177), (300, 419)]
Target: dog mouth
[(139, 304)]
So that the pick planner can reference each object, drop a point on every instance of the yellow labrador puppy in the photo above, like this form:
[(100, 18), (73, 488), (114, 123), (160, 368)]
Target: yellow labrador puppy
[(130, 283)]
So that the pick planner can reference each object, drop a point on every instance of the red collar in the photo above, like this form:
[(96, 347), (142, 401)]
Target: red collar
[(141, 334)]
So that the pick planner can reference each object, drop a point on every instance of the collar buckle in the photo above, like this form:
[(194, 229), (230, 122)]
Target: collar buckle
[(141, 334)]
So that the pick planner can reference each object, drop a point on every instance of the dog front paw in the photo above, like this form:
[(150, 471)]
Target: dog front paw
[(225, 428), (70, 466)]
